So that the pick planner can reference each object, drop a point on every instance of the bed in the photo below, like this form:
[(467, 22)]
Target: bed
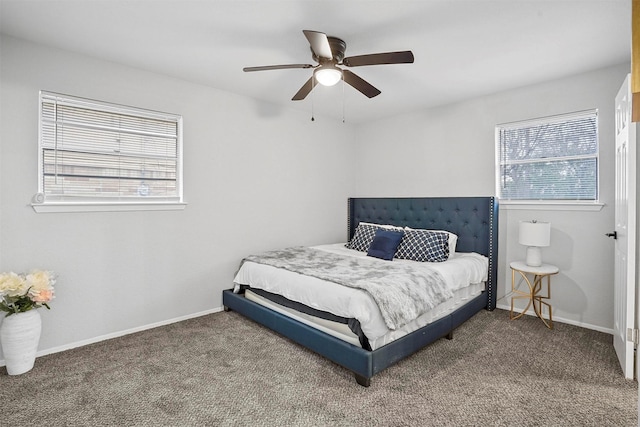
[(472, 219)]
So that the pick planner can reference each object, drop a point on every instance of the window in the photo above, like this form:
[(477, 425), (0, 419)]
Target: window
[(553, 159), (95, 153)]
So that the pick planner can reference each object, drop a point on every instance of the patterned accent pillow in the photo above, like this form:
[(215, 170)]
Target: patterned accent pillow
[(364, 234), (362, 237), (453, 238), (424, 245)]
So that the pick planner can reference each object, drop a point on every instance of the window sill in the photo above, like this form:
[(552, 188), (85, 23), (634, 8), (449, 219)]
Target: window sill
[(551, 206), (105, 207)]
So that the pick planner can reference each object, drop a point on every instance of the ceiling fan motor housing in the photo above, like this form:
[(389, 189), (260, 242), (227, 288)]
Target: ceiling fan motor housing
[(338, 47)]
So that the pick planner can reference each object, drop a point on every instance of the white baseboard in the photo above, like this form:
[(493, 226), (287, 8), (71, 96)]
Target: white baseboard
[(563, 320), (120, 333)]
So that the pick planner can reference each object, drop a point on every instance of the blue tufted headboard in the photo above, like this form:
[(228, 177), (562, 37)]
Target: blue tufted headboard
[(473, 219)]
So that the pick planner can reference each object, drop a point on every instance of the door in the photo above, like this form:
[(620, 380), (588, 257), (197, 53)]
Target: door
[(625, 230)]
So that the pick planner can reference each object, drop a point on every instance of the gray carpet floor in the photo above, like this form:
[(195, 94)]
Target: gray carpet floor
[(225, 370)]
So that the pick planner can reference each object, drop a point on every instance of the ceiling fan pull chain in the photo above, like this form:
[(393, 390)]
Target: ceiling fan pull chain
[(343, 101), (312, 85)]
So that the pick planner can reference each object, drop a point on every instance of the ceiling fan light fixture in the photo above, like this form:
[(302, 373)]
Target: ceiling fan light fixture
[(328, 76)]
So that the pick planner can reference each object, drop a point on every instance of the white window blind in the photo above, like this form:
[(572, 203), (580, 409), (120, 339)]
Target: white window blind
[(552, 159), (98, 152)]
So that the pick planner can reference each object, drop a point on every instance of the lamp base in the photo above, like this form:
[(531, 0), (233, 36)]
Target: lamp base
[(534, 256)]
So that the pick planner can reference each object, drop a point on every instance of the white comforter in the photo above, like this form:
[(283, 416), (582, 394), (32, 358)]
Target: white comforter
[(461, 270)]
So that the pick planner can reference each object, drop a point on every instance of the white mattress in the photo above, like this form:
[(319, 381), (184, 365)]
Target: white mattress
[(465, 274)]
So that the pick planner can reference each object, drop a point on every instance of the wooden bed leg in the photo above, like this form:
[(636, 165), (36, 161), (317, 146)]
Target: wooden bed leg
[(450, 335), (363, 381)]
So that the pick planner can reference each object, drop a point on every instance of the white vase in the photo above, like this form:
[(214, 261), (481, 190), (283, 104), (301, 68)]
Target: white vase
[(20, 335)]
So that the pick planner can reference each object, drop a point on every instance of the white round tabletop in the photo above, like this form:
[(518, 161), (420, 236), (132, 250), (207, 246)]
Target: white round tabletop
[(542, 270)]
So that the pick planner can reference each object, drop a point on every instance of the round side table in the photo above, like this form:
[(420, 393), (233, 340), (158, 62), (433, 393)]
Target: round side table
[(534, 295)]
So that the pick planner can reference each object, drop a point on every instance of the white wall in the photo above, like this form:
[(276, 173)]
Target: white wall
[(256, 177), (450, 151)]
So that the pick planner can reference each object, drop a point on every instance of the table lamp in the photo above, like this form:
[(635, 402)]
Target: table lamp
[(534, 235)]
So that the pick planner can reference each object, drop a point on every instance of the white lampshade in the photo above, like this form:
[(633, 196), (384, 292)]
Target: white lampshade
[(534, 235), (328, 76)]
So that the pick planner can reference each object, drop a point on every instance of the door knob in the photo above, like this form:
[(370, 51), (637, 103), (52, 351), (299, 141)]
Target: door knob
[(614, 235)]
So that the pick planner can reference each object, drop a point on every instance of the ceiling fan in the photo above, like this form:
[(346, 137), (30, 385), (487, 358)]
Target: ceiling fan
[(328, 52)]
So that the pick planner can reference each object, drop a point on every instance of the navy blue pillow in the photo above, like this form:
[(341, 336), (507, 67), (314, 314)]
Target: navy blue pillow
[(385, 243)]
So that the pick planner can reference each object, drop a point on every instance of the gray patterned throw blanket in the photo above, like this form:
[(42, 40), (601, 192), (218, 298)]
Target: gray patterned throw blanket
[(402, 291)]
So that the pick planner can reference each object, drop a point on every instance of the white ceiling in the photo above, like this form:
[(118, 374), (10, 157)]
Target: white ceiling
[(462, 49)]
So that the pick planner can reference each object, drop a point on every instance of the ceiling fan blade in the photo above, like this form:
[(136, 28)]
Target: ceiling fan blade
[(361, 85), (319, 43), (404, 57), (305, 90), (276, 67)]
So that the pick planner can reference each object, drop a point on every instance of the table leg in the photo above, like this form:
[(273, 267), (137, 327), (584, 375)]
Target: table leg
[(520, 295), (538, 298), (534, 296)]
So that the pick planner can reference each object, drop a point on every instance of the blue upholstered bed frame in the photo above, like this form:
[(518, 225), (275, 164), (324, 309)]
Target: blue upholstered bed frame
[(473, 219)]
